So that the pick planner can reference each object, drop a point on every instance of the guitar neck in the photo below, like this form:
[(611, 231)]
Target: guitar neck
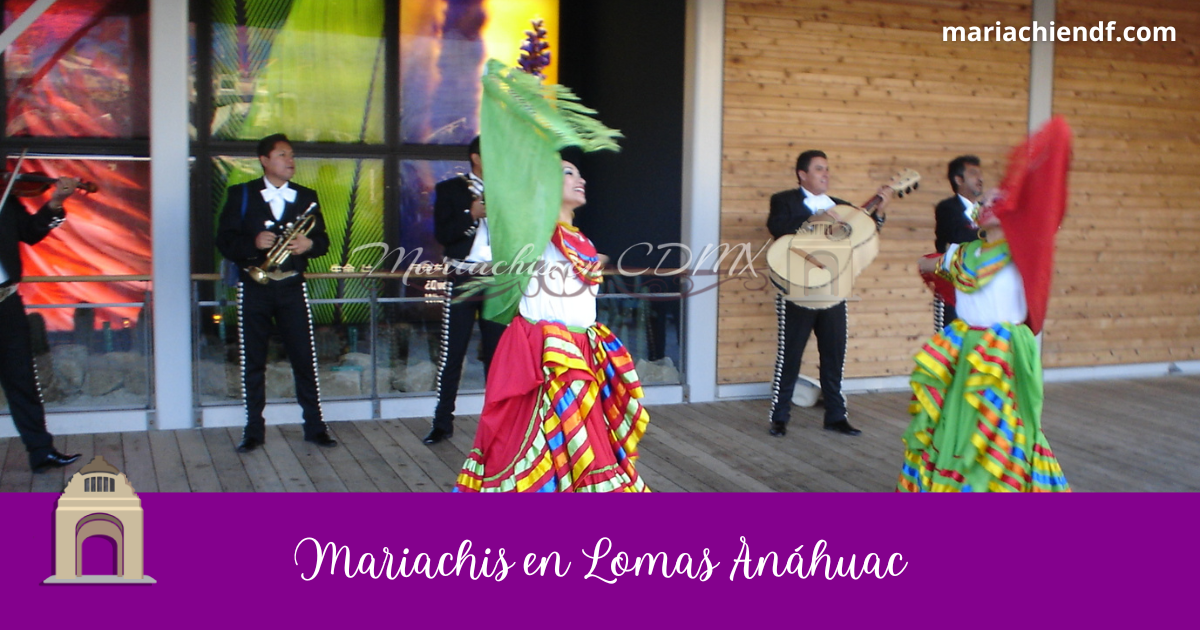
[(904, 182)]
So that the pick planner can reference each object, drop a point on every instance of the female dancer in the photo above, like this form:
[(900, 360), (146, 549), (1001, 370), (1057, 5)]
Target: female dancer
[(561, 410), (977, 387)]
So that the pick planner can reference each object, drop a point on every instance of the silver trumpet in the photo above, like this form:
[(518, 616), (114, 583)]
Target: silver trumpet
[(278, 254)]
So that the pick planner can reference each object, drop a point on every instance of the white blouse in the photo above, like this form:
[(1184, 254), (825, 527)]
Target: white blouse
[(556, 294), (1001, 300)]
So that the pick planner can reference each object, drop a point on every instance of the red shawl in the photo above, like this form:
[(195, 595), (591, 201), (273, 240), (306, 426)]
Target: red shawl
[(1032, 209)]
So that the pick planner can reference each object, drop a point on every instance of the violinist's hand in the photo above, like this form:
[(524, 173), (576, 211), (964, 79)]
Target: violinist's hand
[(63, 189), (264, 240), (929, 265), (300, 244)]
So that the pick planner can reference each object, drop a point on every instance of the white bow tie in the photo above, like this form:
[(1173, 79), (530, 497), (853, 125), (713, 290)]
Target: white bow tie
[(277, 198), (819, 203), (283, 192)]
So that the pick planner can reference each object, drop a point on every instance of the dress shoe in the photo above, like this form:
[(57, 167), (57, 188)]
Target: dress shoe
[(53, 459), (248, 444), (437, 435), (842, 427), (322, 439), (778, 429)]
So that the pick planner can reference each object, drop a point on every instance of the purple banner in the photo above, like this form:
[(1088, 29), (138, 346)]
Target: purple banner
[(593, 561)]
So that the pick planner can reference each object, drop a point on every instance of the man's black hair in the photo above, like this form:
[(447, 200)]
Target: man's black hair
[(957, 168), (473, 149), (805, 158), (266, 145)]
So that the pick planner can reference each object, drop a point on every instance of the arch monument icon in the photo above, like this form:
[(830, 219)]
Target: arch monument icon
[(99, 501)]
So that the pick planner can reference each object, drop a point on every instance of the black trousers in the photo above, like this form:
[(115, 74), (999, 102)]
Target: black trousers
[(795, 324), (282, 305), (19, 379), (458, 318)]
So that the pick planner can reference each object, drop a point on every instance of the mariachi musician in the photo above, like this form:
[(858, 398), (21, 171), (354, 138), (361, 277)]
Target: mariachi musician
[(18, 376), (790, 209), (255, 218), (955, 220), (460, 225)]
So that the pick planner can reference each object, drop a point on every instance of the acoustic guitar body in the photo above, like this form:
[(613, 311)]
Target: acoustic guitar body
[(811, 270), (816, 267)]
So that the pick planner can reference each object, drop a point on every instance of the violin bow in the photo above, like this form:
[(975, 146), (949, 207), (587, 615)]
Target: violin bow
[(12, 179)]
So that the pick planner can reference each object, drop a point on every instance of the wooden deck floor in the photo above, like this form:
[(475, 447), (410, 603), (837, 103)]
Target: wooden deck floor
[(1111, 436)]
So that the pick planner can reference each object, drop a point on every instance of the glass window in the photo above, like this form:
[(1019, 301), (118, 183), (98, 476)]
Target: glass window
[(319, 71), (443, 46), (351, 196), (312, 69), (106, 234), (418, 179), (79, 71), (645, 313)]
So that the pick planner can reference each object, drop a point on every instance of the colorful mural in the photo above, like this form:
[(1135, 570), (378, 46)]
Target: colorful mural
[(443, 46), (79, 71), (313, 69)]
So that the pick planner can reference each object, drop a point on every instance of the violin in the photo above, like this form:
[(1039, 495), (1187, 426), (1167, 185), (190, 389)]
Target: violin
[(36, 184)]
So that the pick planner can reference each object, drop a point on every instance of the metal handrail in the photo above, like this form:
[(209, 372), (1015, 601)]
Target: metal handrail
[(126, 278), (87, 305)]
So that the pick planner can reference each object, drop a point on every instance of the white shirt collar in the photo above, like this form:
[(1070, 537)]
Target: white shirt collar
[(272, 188), (817, 203), (968, 208)]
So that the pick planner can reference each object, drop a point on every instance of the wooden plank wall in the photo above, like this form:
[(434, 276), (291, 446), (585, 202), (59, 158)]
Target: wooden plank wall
[(1129, 252), (872, 84)]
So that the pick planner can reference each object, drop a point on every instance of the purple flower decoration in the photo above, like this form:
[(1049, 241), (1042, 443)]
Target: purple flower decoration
[(535, 52)]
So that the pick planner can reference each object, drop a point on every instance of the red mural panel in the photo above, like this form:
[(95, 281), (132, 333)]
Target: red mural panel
[(80, 70), (106, 233)]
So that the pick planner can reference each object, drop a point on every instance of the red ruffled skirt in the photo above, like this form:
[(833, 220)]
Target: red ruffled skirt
[(561, 414)]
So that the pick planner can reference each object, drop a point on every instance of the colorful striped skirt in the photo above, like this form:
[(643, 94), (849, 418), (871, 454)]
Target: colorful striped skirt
[(977, 410), (560, 414)]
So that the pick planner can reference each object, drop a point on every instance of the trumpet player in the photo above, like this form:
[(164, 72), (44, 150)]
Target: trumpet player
[(259, 222), (460, 225)]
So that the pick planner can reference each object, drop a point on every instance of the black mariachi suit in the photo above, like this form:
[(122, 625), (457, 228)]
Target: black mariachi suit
[(455, 229), (952, 226), (284, 301), (796, 322), (17, 374)]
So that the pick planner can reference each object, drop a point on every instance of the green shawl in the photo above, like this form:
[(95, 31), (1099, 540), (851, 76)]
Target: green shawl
[(523, 125)]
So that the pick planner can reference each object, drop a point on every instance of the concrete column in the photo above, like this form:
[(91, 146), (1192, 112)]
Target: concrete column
[(701, 224), (170, 214), (1041, 68)]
